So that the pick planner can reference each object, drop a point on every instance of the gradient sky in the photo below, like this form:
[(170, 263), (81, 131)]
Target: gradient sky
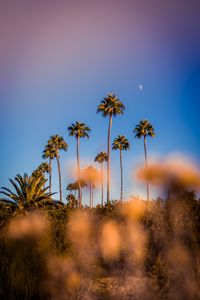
[(58, 59)]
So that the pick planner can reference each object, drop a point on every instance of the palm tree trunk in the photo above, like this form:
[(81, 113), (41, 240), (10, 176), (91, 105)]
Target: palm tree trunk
[(121, 167), (50, 176), (108, 162), (59, 174), (102, 183), (90, 195), (145, 154), (78, 171), (81, 193), (45, 182), (70, 197)]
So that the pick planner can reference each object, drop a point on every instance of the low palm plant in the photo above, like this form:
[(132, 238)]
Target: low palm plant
[(28, 191)]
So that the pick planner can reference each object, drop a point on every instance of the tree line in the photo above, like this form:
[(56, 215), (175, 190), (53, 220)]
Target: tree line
[(110, 107)]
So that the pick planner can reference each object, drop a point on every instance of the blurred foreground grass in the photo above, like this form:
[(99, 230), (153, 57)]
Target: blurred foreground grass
[(134, 250)]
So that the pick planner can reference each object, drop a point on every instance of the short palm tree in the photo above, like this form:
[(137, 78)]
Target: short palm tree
[(144, 129), (57, 143), (121, 143), (70, 188), (79, 130), (90, 175), (48, 153), (100, 158), (29, 190), (110, 106), (82, 183), (42, 169), (71, 201), (37, 173)]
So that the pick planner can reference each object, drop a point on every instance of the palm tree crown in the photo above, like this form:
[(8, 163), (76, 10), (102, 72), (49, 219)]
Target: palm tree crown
[(110, 105), (74, 186), (44, 167), (48, 152), (120, 143), (57, 143), (101, 157), (78, 129), (90, 176), (144, 128), (28, 190)]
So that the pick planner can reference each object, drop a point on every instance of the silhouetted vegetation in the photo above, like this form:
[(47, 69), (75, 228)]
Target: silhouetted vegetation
[(133, 250)]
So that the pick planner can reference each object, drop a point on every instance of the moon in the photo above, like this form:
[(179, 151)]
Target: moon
[(140, 86)]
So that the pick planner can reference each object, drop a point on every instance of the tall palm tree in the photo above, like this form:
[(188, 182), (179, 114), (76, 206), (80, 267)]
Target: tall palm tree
[(48, 153), (58, 143), (29, 190), (144, 129), (79, 130), (110, 106), (100, 158), (121, 143)]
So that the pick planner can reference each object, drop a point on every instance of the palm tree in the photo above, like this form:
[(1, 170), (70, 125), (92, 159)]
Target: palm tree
[(90, 175), (48, 153), (29, 190), (100, 158), (82, 183), (57, 143), (121, 143), (42, 169), (79, 130), (144, 129), (37, 173), (71, 201), (110, 106), (70, 188)]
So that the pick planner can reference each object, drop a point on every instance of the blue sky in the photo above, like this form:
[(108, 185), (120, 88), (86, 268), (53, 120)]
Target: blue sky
[(60, 59)]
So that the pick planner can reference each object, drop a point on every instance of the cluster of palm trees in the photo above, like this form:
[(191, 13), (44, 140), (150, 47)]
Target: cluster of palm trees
[(110, 107)]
